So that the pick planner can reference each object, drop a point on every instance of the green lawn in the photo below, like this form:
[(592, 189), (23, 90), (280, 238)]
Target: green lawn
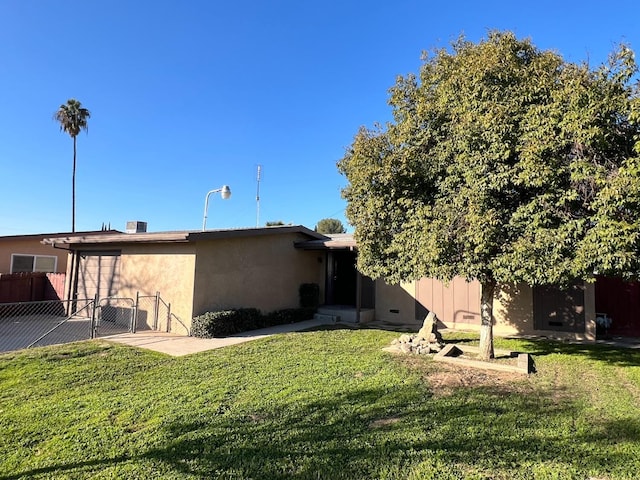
[(316, 405)]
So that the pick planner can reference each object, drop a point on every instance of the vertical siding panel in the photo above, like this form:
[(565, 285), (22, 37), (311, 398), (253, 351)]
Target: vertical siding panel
[(448, 299), (437, 300)]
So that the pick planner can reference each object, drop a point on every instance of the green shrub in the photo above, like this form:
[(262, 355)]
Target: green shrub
[(227, 322), (289, 315), (214, 324), (248, 319)]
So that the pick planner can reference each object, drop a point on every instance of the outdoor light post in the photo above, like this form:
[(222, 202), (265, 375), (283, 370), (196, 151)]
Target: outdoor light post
[(225, 192)]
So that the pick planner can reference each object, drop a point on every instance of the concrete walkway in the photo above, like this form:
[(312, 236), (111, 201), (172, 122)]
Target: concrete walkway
[(179, 345)]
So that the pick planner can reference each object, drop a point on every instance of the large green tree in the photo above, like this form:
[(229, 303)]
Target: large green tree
[(503, 163), (330, 225), (72, 117)]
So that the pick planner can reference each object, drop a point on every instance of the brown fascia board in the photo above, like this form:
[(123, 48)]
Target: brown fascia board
[(41, 236), (178, 237), (255, 232), (119, 238), (341, 241)]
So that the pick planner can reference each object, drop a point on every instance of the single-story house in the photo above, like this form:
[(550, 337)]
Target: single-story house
[(195, 271), (264, 267)]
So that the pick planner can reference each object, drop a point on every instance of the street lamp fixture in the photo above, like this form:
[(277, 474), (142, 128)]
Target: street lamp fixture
[(225, 192)]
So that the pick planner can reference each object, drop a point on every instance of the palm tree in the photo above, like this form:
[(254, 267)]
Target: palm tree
[(72, 118)]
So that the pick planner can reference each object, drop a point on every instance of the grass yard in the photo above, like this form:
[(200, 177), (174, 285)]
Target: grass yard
[(317, 405)]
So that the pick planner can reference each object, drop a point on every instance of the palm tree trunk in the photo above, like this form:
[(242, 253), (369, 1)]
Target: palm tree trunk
[(73, 189), (486, 319)]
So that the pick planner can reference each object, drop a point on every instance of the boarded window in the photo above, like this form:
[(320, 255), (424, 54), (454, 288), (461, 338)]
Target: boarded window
[(559, 309)]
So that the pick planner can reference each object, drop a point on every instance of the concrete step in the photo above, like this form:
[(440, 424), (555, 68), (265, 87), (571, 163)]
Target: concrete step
[(347, 314), (324, 317)]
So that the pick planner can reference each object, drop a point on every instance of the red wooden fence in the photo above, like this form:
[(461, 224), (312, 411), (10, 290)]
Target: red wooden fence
[(31, 287)]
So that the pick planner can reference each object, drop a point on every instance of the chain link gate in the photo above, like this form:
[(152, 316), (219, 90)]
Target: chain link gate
[(37, 324), (115, 315)]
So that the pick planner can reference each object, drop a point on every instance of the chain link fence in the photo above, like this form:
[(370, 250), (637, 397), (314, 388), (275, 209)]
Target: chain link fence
[(31, 324), (35, 324)]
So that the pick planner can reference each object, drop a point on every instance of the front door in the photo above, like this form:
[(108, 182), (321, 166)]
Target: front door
[(341, 278)]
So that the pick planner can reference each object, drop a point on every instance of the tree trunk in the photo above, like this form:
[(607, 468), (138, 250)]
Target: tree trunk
[(486, 317), (73, 189)]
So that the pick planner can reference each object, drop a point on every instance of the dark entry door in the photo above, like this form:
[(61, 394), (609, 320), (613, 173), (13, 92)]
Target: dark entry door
[(341, 278)]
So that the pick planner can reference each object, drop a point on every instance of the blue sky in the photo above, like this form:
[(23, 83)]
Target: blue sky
[(186, 96)]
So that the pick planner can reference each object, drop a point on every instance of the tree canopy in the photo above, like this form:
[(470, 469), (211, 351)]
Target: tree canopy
[(503, 163), (330, 225), (72, 117)]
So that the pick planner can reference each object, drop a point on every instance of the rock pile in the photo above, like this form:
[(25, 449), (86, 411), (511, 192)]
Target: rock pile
[(427, 340)]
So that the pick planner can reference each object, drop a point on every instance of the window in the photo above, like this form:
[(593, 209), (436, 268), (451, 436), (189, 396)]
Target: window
[(33, 263)]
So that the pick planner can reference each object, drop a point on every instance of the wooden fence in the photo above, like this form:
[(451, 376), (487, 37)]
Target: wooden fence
[(31, 287)]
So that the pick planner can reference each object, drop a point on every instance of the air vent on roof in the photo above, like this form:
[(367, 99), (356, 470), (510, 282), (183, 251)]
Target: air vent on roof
[(136, 227)]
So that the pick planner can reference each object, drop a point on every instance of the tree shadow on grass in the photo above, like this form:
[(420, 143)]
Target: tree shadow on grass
[(69, 470), (499, 431), (347, 436), (617, 355), (613, 355)]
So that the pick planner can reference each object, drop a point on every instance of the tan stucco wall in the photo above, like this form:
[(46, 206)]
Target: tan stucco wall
[(395, 304), (168, 269), (263, 272), (513, 313), (30, 247), (513, 310)]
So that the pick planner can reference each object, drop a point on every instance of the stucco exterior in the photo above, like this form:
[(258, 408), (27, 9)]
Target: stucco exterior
[(263, 268), (29, 245), (263, 272), (197, 272), (513, 310), (168, 270), (395, 304)]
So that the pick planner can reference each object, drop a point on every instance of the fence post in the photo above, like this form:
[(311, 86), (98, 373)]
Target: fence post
[(94, 325), (168, 317), (134, 314), (156, 311)]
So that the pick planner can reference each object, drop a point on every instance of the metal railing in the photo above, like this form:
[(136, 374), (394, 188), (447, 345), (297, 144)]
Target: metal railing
[(34, 324)]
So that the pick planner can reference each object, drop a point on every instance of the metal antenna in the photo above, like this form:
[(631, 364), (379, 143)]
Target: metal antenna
[(258, 198)]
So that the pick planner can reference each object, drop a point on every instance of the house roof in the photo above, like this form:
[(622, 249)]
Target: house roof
[(186, 236), (332, 241), (41, 236)]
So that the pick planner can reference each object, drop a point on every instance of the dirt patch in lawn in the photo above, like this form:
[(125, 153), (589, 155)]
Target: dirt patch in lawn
[(445, 379)]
